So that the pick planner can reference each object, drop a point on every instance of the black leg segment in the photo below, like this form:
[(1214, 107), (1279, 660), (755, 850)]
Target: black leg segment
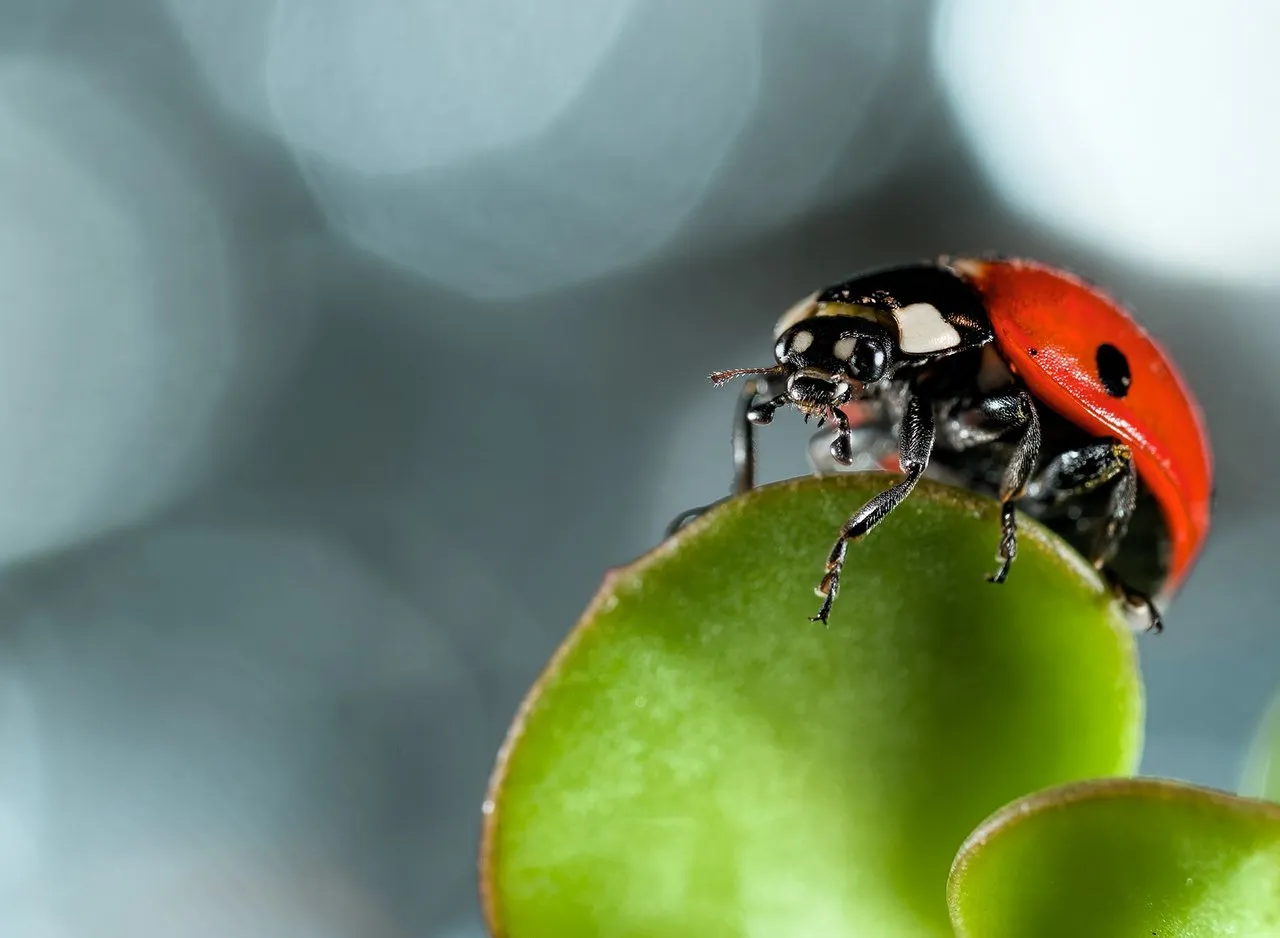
[(1013, 411), (1083, 470), (915, 446), (1120, 508), (756, 403), (1079, 471), (1134, 601)]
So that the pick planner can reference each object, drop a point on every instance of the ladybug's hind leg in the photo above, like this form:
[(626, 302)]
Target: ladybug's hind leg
[(1120, 508), (1137, 602), (1079, 471)]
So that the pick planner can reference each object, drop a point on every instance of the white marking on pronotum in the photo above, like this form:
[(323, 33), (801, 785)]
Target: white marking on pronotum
[(843, 349), (802, 310), (801, 340), (921, 329)]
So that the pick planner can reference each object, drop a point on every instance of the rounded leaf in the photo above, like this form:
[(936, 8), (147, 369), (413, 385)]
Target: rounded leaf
[(1122, 858), (701, 759), (1262, 770)]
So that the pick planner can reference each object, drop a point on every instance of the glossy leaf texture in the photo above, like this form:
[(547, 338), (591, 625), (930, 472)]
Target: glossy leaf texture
[(1122, 859), (701, 759)]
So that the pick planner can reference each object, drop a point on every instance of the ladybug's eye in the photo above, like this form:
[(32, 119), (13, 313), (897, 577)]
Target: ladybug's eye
[(795, 342), (866, 357)]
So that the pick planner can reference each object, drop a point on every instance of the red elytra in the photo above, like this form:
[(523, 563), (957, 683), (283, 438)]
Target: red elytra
[(1048, 325)]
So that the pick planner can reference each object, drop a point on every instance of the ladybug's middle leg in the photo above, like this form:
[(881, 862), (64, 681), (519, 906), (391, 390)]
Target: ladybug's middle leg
[(968, 424), (1014, 410)]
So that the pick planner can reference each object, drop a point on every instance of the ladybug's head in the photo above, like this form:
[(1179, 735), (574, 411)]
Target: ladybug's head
[(826, 361)]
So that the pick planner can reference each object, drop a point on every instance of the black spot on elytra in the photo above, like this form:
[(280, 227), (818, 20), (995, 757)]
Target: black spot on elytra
[(1113, 370), (1033, 352)]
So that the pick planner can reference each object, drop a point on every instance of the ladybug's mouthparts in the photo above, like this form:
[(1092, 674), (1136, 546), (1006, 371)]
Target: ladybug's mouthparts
[(815, 392)]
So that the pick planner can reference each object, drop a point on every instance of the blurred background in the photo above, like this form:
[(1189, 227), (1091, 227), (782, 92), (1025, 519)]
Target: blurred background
[(344, 344)]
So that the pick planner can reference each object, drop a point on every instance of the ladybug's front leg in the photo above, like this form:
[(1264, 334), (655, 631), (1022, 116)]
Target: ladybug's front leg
[(760, 397), (915, 446)]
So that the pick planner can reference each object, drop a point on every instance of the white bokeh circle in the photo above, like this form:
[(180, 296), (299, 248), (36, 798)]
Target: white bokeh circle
[(119, 346), (841, 106), (397, 86), (1147, 130), (590, 183), (505, 150)]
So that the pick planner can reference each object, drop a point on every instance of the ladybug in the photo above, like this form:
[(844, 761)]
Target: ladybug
[(1013, 378)]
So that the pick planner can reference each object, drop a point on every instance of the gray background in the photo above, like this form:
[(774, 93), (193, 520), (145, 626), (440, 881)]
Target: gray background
[(345, 343)]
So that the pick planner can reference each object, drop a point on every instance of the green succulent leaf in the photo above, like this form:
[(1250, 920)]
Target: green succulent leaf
[(701, 759), (1262, 771), (1122, 858)]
